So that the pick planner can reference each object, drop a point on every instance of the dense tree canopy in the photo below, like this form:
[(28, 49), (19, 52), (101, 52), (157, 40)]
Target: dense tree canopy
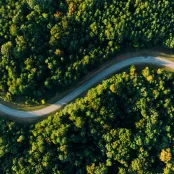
[(48, 44), (124, 125)]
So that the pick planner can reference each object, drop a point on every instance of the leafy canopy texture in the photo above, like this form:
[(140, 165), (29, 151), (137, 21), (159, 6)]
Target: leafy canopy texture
[(124, 125), (51, 44)]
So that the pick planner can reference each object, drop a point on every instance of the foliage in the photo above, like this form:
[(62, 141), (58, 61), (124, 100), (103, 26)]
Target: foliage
[(124, 125), (48, 44)]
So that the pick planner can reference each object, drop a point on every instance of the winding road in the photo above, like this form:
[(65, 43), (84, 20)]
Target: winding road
[(29, 116)]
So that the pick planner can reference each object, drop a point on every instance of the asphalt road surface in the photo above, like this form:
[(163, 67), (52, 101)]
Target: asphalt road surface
[(29, 116)]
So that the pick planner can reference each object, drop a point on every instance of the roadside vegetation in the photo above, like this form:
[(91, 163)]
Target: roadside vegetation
[(124, 125), (46, 46)]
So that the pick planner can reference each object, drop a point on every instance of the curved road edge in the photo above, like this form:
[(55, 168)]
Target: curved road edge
[(30, 116)]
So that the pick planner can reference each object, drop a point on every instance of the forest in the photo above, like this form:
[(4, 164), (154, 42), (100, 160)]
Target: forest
[(123, 125), (48, 45)]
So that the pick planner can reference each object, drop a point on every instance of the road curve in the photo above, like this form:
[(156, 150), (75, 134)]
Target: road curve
[(30, 116)]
